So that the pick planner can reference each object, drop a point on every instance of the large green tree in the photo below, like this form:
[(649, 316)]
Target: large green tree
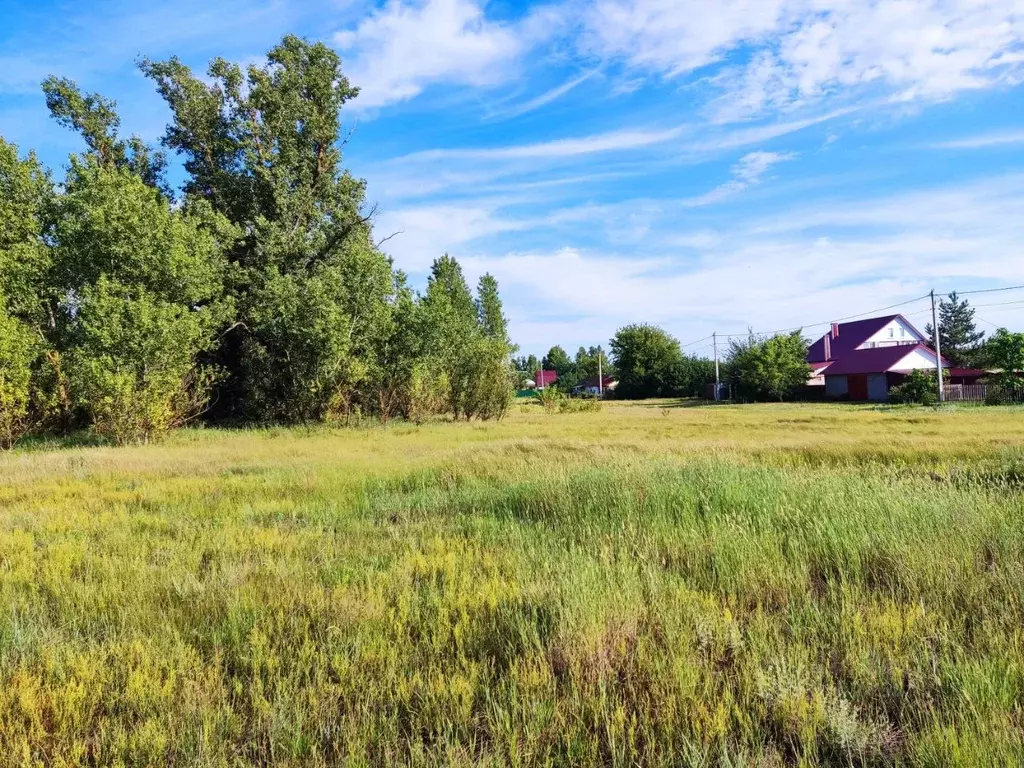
[(771, 368), (262, 147), (959, 336), (123, 303), (558, 360), (1004, 351), (467, 342), (648, 362), (135, 284)]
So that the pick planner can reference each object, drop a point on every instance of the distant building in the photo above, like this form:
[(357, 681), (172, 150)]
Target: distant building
[(545, 379), (591, 386), (864, 359)]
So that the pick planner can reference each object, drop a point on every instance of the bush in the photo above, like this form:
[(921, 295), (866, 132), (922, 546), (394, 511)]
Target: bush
[(579, 405), (996, 394), (772, 368), (549, 398), (919, 387), (133, 364)]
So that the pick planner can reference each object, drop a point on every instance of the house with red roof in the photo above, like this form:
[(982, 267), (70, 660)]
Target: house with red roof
[(595, 386), (864, 359), (545, 379)]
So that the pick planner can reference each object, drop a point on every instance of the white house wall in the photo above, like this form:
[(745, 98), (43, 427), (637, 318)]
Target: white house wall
[(896, 331), (919, 358)]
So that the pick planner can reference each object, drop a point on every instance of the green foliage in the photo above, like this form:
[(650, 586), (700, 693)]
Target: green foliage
[(132, 365), (18, 353), (771, 368), (549, 398), (579, 405), (558, 360), (95, 118), (26, 195), (996, 394), (109, 223), (693, 376), (1005, 352), (26, 295), (261, 148), (648, 361), (466, 342), (959, 336), (144, 287), (259, 295), (919, 387)]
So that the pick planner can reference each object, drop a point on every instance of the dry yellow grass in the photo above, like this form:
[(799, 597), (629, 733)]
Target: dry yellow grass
[(654, 583)]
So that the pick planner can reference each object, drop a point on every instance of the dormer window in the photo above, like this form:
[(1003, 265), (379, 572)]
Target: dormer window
[(892, 333)]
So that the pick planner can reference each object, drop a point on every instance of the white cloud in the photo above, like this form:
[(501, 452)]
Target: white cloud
[(548, 96), (982, 141), (674, 37), (829, 260), (611, 141), (748, 171), (425, 232), (790, 53), (395, 53)]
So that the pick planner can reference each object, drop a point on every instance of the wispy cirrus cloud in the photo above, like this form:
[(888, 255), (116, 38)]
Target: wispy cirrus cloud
[(748, 171), (547, 97), (982, 141)]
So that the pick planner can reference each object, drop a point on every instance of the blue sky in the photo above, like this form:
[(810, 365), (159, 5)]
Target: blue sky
[(703, 166)]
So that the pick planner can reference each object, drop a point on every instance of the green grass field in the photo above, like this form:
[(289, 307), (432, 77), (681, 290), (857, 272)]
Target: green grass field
[(647, 585)]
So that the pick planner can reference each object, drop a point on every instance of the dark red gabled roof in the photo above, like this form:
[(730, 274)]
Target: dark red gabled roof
[(851, 336), (545, 378), (877, 360)]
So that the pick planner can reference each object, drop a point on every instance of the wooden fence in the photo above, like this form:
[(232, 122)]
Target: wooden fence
[(978, 393)]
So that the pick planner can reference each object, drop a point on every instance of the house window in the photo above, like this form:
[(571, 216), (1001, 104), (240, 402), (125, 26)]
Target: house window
[(903, 332), (892, 333)]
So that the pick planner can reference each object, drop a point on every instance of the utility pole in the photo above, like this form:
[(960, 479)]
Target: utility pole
[(938, 349), (600, 376), (714, 340)]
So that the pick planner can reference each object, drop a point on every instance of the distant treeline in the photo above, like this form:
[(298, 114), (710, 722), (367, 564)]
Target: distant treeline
[(646, 361), (649, 362), (255, 293)]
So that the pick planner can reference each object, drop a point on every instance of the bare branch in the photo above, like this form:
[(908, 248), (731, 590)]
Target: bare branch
[(384, 240)]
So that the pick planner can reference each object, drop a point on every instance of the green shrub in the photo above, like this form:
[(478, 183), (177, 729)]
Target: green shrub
[(133, 366), (579, 405), (996, 395), (919, 387)]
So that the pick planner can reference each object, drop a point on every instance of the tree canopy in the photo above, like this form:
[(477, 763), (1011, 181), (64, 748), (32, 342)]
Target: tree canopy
[(768, 368), (959, 336), (255, 292)]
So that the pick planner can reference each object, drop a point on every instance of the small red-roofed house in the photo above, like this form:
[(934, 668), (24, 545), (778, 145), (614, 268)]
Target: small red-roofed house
[(545, 379)]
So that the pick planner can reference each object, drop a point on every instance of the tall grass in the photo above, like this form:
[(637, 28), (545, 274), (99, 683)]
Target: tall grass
[(781, 585)]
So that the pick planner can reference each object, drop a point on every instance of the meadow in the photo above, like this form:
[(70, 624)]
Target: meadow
[(652, 584)]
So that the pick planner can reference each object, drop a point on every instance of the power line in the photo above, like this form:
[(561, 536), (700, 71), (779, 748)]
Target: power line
[(827, 322), (698, 341), (998, 304), (989, 290), (865, 314)]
